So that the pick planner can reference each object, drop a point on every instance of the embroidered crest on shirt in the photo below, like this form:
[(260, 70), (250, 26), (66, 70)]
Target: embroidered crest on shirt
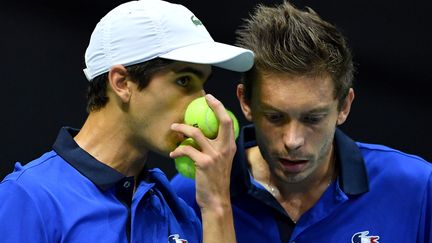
[(362, 237), (175, 239)]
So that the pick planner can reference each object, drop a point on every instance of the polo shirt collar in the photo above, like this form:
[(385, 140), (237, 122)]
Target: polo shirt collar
[(353, 177), (240, 177), (99, 173)]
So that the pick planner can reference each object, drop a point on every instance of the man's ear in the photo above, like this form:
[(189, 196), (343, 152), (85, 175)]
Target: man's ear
[(118, 81), (346, 107), (244, 102)]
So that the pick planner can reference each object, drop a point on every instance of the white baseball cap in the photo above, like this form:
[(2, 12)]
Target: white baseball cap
[(139, 31)]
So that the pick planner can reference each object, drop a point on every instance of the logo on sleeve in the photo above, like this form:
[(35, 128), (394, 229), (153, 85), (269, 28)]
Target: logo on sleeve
[(362, 237), (175, 239)]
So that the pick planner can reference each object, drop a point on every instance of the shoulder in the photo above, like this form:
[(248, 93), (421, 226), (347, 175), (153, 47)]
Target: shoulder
[(391, 156), (39, 179), (392, 164), (35, 171)]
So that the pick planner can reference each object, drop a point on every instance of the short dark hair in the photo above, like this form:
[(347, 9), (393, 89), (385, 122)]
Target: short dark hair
[(297, 42), (141, 73)]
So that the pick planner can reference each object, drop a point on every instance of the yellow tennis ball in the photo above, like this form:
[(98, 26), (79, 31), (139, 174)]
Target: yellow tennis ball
[(200, 115), (185, 165), (235, 123)]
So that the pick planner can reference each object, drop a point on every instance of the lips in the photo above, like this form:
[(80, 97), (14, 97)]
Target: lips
[(293, 166), (179, 137)]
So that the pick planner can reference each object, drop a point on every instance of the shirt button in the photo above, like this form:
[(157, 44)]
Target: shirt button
[(126, 184)]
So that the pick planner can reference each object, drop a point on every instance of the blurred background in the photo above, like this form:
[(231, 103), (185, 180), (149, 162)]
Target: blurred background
[(42, 56)]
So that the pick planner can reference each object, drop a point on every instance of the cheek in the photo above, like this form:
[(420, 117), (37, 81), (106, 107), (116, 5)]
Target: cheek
[(268, 138), (262, 128), (324, 132), (167, 113), (324, 141), (263, 138)]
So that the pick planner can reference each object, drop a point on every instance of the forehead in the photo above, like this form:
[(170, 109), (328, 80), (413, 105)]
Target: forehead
[(286, 90), (316, 85)]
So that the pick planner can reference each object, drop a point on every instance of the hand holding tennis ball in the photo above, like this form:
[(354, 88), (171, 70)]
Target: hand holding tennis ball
[(200, 115)]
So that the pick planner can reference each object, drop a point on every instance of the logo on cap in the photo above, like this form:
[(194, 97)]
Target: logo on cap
[(196, 21)]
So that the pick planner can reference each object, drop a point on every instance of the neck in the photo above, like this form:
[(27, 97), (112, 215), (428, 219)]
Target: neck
[(259, 167), (104, 137)]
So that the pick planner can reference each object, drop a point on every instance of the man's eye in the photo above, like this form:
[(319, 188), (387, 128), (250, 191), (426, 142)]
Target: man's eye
[(312, 119), (273, 117), (183, 81)]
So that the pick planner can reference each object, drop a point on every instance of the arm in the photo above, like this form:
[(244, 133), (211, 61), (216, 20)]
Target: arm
[(213, 168)]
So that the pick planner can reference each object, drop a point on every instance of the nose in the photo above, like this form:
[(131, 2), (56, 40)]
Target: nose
[(198, 93), (293, 136)]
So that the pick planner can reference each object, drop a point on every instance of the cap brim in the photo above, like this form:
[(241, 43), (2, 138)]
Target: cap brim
[(218, 54)]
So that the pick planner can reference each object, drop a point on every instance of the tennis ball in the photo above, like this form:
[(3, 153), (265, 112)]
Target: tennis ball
[(200, 115), (235, 123), (185, 165)]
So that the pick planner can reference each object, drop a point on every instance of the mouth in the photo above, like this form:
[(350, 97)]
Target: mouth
[(179, 137), (293, 165)]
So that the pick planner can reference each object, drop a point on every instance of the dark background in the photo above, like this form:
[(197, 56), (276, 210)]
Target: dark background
[(43, 43)]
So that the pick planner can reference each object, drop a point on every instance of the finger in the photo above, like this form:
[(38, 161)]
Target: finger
[(226, 129), (201, 159), (184, 150), (192, 132)]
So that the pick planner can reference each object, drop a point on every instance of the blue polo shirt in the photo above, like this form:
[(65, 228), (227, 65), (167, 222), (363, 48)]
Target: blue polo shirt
[(67, 195), (380, 195)]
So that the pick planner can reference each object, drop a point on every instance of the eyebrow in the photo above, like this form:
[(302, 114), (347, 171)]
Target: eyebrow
[(195, 71), (314, 110), (319, 109)]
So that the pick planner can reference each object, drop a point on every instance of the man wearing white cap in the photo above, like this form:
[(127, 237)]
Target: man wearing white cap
[(146, 61)]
